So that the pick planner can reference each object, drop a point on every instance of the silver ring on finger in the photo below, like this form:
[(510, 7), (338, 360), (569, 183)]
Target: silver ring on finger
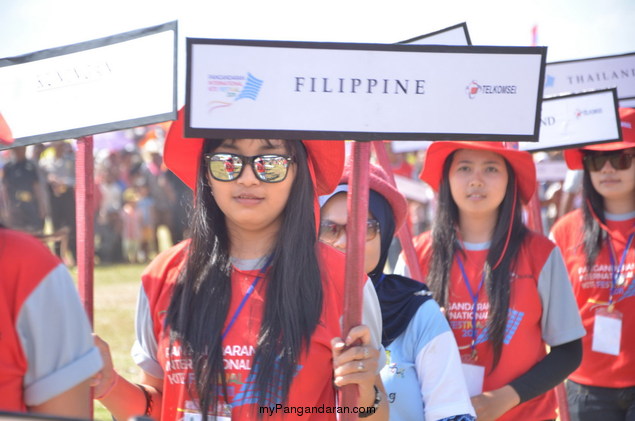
[(366, 353), (360, 366)]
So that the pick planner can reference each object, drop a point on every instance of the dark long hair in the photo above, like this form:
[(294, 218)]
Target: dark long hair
[(293, 304), (445, 244), (594, 235)]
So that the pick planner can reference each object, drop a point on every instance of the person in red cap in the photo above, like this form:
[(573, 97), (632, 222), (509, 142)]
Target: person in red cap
[(47, 352), (424, 364), (597, 244), (239, 321), (505, 289)]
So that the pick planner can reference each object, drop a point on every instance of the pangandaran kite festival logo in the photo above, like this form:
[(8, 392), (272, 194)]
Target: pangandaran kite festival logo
[(225, 90)]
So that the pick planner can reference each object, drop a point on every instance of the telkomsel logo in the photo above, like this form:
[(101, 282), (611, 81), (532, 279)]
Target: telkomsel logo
[(579, 113), (227, 89), (474, 89)]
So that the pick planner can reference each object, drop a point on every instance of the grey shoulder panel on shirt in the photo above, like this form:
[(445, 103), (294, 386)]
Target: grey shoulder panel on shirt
[(561, 321), (144, 351), (55, 335)]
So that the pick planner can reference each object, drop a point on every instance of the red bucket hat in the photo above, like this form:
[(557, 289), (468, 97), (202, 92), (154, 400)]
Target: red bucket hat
[(5, 132), (183, 155), (378, 181), (522, 163), (573, 157)]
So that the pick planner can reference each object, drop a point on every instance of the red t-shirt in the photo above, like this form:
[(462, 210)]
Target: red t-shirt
[(312, 389), (46, 347), (537, 317), (592, 291)]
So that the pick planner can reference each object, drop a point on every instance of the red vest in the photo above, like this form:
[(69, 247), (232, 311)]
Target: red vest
[(311, 390), (592, 291), (523, 346)]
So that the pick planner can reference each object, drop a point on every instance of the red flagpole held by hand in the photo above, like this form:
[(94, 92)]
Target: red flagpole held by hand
[(84, 209), (404, 234), (357, 202)]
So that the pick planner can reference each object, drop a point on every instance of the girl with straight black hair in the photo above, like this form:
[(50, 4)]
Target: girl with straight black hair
[(242, 321), (504, 289), (597, 245)]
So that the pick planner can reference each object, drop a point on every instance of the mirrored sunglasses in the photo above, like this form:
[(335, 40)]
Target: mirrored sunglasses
[(331, 232), (618, 160), (271, 168)]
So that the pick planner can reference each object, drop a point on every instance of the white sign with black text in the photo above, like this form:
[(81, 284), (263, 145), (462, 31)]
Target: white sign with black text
[(591, 74), (292, 90), (577, 119), (118, 82)]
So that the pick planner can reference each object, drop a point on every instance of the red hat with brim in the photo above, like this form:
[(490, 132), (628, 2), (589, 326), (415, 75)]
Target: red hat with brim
[(574, 157), (378, 181), (521, 162), (5, 132), (183, 156)]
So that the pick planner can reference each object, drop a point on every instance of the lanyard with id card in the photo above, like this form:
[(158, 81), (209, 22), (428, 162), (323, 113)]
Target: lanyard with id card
[(474, 373), (607, 325)]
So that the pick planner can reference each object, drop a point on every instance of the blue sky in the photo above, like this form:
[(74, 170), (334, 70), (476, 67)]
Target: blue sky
[(570, 28)]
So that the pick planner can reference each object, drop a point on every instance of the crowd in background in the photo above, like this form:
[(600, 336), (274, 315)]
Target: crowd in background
[(141, 206), (138, 202)]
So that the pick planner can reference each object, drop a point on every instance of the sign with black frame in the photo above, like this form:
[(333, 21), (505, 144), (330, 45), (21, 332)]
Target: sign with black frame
[(300, 90), (107, 84), (572, 120), (591, 74), (452, 35)]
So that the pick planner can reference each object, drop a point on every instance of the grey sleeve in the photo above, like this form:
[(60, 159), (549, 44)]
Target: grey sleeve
[(144, 350), (561, 321), (56, 338), (371, 317)]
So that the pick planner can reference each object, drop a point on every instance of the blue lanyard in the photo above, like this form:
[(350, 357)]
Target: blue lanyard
[(615, 273), (248, 294), (474, 297)]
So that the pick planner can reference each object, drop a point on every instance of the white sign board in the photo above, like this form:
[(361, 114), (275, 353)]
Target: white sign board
[(108, 84), (572, 120), (592, 74), (453, 35), (301, 90)]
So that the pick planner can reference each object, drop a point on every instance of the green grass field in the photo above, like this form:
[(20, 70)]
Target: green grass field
[(115, 295)]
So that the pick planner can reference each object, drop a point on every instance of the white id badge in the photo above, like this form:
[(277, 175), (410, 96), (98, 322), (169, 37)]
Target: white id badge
[(607, 332), (474, 375)]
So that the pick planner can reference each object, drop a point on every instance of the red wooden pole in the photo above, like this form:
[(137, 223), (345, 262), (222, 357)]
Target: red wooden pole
[(84, 209), (404, 234), (357, 202)]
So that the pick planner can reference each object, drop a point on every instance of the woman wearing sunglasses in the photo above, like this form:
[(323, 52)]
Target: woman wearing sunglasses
[(423, 376), (239, 321), (597, 244), (505, 289)]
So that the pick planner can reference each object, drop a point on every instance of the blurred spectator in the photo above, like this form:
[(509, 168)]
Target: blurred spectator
[(131, 219), (108, 220), (571, 192), (24, 193), (145, 207), (60, 170)]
